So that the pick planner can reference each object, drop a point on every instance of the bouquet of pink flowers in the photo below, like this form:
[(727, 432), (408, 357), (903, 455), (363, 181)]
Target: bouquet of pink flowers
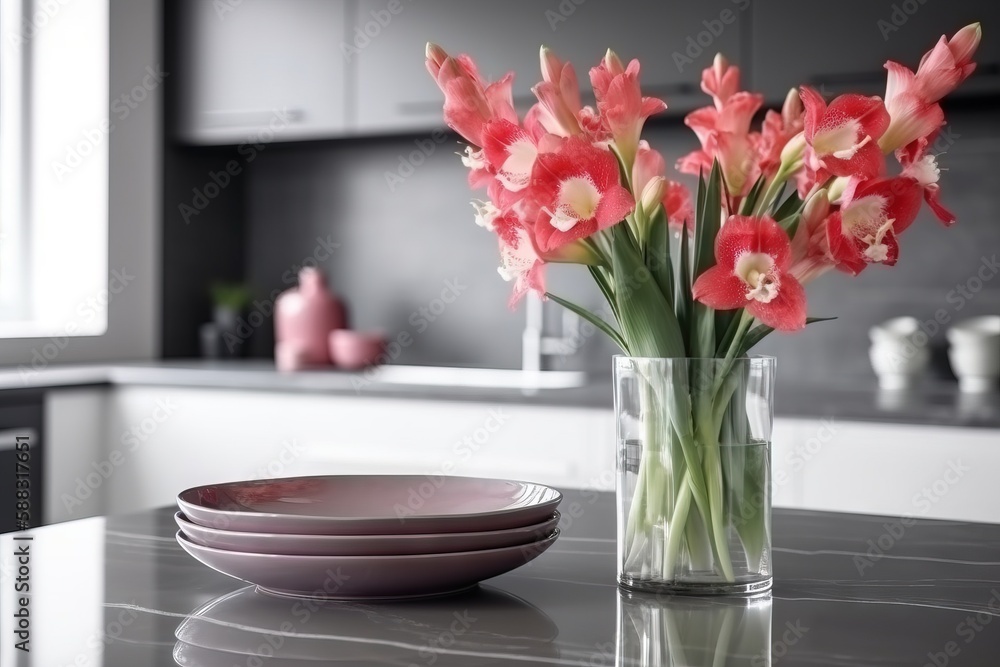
[(705, 276)]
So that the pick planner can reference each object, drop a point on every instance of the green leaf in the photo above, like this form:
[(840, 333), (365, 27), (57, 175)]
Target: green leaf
[(682, 298), (605, 287), (647, 322), (658, 255), (790, 206), (702, 340), (751, 199), (593, 319), (777, 198), (759, 332)]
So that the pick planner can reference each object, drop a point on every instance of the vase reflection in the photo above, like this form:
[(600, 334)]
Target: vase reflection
[(661, 630)]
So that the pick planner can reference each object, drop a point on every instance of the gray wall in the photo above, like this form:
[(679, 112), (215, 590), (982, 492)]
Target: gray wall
[(399, 245)]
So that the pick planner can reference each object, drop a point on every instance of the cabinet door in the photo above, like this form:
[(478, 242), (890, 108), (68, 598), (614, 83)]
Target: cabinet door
[(260, 70), (842, 47), (673, 40)]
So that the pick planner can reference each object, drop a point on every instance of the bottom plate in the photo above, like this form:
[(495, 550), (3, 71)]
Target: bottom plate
[(346, 577)]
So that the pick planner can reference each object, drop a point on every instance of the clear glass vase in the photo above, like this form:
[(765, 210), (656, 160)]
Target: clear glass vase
[(667, 630), (694, 474)]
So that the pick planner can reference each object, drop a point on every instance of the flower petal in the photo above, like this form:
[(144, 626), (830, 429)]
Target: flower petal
[(719, 288), (787, 310)]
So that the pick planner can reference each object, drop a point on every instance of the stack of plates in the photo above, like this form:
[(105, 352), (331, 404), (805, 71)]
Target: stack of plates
[(367, 536)]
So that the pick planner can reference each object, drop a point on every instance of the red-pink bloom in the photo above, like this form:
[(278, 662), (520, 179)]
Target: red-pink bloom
[(725, 136), (558, 95), (510, 153), (721, 80), (676, 199), (677, 204), (778, 129), (913, 117), (752, 258), (520, 262), (923, 168), (811, 255), (469, 102), (949, 63), (578, 193), (620, 102), (872, 213), (844, 135)]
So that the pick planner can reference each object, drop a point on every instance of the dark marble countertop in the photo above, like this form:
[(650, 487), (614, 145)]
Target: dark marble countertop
[(936, 403), (849, 590)]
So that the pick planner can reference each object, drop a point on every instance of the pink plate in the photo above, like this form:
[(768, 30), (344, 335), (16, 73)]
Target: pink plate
[(344, 577), (369, 505), (363, 545)]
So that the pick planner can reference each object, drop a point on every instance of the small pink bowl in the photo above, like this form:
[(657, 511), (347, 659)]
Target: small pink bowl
[(356, 349)]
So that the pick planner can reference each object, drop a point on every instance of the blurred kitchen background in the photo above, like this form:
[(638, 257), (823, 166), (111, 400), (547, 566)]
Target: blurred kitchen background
[(246, 139)]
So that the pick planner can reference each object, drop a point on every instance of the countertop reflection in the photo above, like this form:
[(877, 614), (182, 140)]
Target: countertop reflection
[(849, 590)]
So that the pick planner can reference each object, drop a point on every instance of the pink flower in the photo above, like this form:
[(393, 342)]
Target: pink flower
[(913, 117), (621, 104), (924, 170), (469, 103), (844, 135), (721, 80), (520, 263), (778, 129), (677, 204), (578, 193), (872, 213), (725, 136), (949, 63), (676, 198), (510, 153), (752, 258), (558, 95), (811, 255)]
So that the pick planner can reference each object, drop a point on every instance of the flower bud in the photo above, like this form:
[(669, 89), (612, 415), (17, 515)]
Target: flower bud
[(613, 63), (435, 57), (652, 195), (792, 108), (551, 66), (793, 154)]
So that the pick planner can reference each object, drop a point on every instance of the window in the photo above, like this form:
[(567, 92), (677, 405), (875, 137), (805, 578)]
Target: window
[(54, 137)]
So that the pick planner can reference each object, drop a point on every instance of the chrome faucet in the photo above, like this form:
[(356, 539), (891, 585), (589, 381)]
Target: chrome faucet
[(536, 347)]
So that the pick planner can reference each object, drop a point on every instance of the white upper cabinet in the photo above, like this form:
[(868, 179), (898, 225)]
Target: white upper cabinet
[(260, 70), (673, 40), (842, 47)]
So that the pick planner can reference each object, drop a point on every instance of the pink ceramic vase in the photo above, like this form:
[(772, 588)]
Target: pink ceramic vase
[(304, 316)]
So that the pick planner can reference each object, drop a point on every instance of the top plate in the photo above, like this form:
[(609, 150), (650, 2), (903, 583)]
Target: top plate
[(369, 504)]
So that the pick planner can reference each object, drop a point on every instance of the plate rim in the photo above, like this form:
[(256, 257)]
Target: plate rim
[(549, 539), (554, 502)]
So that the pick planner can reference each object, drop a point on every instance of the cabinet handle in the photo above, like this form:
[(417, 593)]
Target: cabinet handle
[(253, 116)]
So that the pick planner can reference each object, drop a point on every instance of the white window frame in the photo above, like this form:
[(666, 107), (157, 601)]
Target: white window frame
[(54, 168)]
